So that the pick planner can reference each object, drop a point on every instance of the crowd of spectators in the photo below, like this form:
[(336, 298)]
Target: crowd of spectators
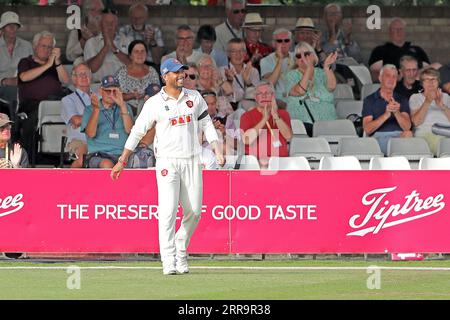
[(253, 89)]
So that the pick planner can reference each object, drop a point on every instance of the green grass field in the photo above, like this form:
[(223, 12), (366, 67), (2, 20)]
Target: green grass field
[(22, 279)]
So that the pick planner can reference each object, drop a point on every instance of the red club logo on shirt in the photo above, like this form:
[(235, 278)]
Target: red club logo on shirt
[(164, 172), (189, 103)]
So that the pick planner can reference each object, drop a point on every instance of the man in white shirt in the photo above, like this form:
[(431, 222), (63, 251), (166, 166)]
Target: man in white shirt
[(184, 51), (231, 28), (177, 114), (107, 52)]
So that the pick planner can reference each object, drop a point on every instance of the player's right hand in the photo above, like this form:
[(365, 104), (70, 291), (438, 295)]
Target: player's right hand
[(116, 171)]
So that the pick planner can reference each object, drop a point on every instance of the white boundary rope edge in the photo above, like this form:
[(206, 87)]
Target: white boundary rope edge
[(229, 267)]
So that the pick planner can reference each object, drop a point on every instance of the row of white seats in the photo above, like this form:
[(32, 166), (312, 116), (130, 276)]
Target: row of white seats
[(249, 162)]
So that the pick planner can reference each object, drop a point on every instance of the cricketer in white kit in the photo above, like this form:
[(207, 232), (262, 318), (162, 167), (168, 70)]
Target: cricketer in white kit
[(178, 115)]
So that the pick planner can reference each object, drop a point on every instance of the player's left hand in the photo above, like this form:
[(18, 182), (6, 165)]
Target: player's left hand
[(220, 159)]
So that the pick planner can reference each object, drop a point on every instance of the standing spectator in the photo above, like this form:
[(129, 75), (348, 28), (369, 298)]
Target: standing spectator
[(12, 50), (92, 17), (138, 29), (135, 77), (306, 31), (206, 37), (107, 123), (73, 106), (240, 75), (337, 35), (40, 78), (266, 129), (409, 71), (311, 88), (11, 155), (397, 47), (276, 64), (256, 50), (107, 52), (184, 51), (386, 113), (231, 28), (429, 107)]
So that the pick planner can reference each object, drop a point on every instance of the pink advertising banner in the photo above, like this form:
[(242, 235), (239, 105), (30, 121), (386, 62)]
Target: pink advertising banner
[(60, 210)]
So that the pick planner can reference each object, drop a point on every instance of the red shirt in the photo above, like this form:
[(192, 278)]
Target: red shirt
[(263, 146)]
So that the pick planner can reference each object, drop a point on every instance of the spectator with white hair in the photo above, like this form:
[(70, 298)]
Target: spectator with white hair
[(91, 17), (41, 76), (385, 112), (276, 64), (139, 29), (232, 27)]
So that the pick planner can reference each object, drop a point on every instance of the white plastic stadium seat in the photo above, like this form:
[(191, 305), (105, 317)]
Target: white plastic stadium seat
[(298, 128), (346, 107), (51, 127), (390, 163), (289, 163), (339, 163), (230, 161), (368, 89), (343, 91), (434, 164), (362, 148), (443, 149), (411, 148), (248, 162), (362, 73), (310, 148), (333, 131)]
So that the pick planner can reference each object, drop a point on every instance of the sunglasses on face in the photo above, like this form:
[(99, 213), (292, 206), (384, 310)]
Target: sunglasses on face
[(306, 54), (190, 76), (283, 40), (237, 11)]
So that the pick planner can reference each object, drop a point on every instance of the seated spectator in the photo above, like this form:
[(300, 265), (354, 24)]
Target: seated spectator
[(135, 77), (206, 37), (266, 130), (225, 127), (191, 74), (337, 35), (409, 71), (311, 88), (107, 52), (429, 107), (184, 51), (276, 64), (209, 78), (12, 50), (256, 50), (138, 29), (107, 123), (91, 16), (73, 106), (397, 47), (386, 113), (238, 74), (445, 78), (11, 155), (306, 31), (231, 28), (40, 78)]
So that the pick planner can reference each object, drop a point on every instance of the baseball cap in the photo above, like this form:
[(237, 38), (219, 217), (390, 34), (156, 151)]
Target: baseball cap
[(4, 119), (152, 89), (172, 65), (9, 17), (110, 82)]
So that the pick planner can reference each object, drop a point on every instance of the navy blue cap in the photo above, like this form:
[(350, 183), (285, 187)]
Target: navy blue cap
[(172, 65), (152, 89), (110, 82)]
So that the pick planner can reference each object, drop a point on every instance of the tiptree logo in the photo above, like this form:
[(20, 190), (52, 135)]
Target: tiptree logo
[(11, 204), (383, 214)]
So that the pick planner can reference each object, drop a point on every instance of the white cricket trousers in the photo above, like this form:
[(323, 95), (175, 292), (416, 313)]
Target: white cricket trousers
[(179, 181)]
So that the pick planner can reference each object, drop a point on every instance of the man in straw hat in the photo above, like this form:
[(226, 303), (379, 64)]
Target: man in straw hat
[(306, 31), (256, 50), (12, 50)]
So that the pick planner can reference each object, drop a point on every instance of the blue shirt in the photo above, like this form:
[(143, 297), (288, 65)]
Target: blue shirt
[(110, 124), (374, 105), (71, 106)]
